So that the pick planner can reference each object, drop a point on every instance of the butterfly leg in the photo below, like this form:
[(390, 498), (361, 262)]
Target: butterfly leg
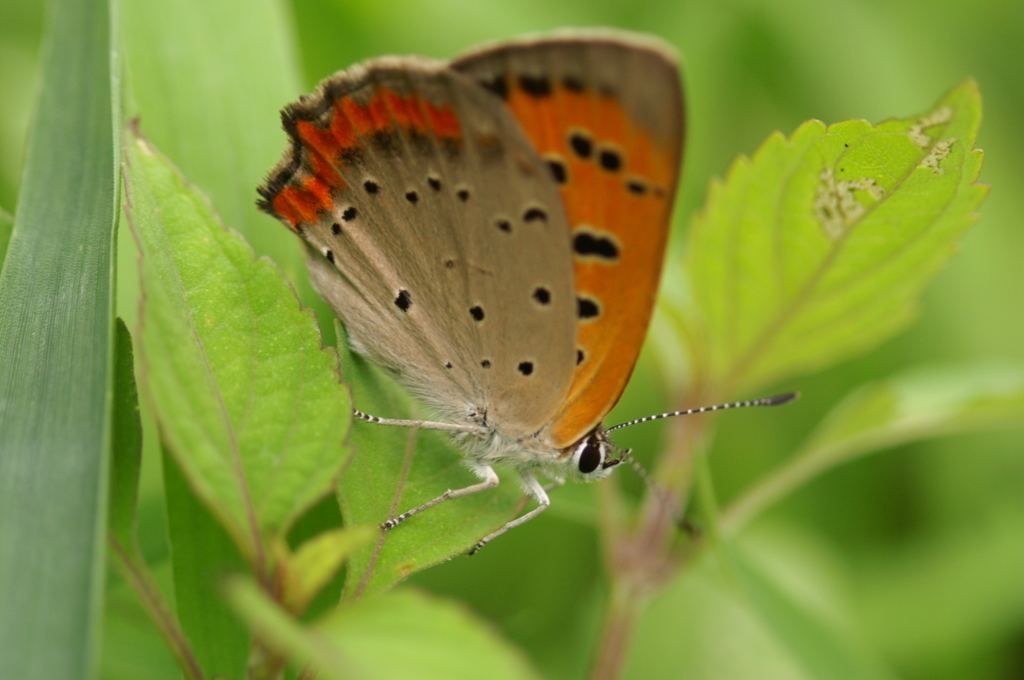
[(485, 472), (422, 424), (533, 488)]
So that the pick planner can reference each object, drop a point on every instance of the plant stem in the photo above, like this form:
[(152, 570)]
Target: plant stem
[(641, 561), (623, 610)]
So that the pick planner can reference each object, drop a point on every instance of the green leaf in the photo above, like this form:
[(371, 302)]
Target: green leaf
[(402, 634), (315, 562), (203, 555), (6, 225), (126, 444), (699, 628), (126, 462), (819, 246), (741, 619), (248, 401), (209, 80), (56, 340), (395, 469), (132, 646), (918, 405), (970, 574), (822, 648)]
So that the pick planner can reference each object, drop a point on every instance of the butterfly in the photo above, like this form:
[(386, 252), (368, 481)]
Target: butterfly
[(491, 230)]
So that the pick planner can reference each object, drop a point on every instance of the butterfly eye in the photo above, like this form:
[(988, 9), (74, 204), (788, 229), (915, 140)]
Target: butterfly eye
[(590, 457)]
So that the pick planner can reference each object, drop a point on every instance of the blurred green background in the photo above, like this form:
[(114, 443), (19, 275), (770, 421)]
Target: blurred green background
[(916, 554)]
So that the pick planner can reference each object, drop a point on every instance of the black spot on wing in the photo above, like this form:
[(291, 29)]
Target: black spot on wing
[(573, 84), (610, 159), (535, 86), (558, 170), (636, 186), (535, 215), (386, 141), (403, 301), (587, 308), (353, 155), (581, 144), (498, 85), (585, 243)]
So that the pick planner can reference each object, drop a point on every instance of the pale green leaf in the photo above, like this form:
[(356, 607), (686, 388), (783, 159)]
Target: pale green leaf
[(56, 356), (402, 634), (394, 469), (248, 401), (209, 80), (918, 405), (819, 246), (729, 616), (315, 562), (820, 647), (698, 628)]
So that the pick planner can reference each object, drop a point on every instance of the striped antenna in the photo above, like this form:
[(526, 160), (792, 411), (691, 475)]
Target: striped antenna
[(768, 401)]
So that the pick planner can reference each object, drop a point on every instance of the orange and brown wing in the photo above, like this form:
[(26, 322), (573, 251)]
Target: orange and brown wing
[(434, 232), (605, 111)]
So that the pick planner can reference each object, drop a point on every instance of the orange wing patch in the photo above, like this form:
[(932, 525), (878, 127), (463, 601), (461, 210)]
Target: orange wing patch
[(617, 184), (304, 186)]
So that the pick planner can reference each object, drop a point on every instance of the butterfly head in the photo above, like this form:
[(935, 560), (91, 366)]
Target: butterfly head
[(593, 457)]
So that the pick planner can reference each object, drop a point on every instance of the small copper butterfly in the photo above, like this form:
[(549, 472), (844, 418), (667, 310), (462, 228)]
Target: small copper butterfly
[(492, 230)]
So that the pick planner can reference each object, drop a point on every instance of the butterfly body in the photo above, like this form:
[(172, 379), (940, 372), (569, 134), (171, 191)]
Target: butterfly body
[(491, 231)]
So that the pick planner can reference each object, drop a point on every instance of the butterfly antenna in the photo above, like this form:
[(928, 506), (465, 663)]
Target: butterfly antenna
[(768, 401)]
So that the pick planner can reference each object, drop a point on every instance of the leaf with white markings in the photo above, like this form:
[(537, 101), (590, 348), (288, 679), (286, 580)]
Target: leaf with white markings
[(820, 245)]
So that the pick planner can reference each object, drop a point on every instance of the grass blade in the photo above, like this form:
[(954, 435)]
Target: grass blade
[(56, 323)]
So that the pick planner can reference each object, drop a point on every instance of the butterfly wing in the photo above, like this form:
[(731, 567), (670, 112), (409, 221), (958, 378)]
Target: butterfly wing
[(435, 232), (605, 112)]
